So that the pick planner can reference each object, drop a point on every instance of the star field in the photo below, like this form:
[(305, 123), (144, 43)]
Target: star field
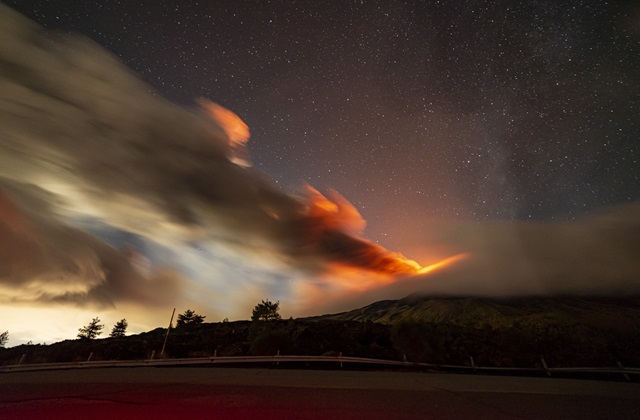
[(412, 110)]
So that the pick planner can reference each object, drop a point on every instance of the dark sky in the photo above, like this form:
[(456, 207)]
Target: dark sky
[(473, 110)]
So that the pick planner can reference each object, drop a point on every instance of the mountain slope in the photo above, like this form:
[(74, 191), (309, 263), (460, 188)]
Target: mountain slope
[(603, 312)]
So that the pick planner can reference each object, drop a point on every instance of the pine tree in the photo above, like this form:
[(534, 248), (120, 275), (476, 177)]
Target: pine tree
[(4, 337), (266, 311), (189, 317), (92, 330), (119, 329)]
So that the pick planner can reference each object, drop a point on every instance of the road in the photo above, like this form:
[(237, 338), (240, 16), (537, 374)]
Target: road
[(194, 393)]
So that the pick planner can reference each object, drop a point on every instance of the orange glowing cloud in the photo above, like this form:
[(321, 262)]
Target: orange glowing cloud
[(331, 226), (335, 213), (236, 129), (398, 267), (443, 263)]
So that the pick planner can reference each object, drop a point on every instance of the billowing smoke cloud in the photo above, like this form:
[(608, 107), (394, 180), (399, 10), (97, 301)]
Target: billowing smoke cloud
[(81, 137), (77, 123), (45, 261)]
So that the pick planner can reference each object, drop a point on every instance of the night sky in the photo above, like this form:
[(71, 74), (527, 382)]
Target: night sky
[(411, 110), (500, 135)]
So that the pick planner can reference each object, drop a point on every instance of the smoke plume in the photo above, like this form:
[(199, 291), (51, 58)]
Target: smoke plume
[(81, 137)]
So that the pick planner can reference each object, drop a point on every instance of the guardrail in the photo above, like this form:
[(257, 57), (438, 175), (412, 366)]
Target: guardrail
[(340, 360), (201, 361)]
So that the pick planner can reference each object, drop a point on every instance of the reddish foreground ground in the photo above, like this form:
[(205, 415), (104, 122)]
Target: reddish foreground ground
[(219, 393)]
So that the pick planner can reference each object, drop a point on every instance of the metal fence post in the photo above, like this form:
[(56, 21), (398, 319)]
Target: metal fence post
[(544, 365), (623, 374)]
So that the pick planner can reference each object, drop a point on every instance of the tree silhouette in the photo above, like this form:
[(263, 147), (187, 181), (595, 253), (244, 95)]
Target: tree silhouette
[(4, 337), (266, 311), (92, 330), (119, 329), (189, 317)]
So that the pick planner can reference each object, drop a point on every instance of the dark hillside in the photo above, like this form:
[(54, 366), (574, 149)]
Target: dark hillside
[(567, 331), (601, 312), (223, 339)]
